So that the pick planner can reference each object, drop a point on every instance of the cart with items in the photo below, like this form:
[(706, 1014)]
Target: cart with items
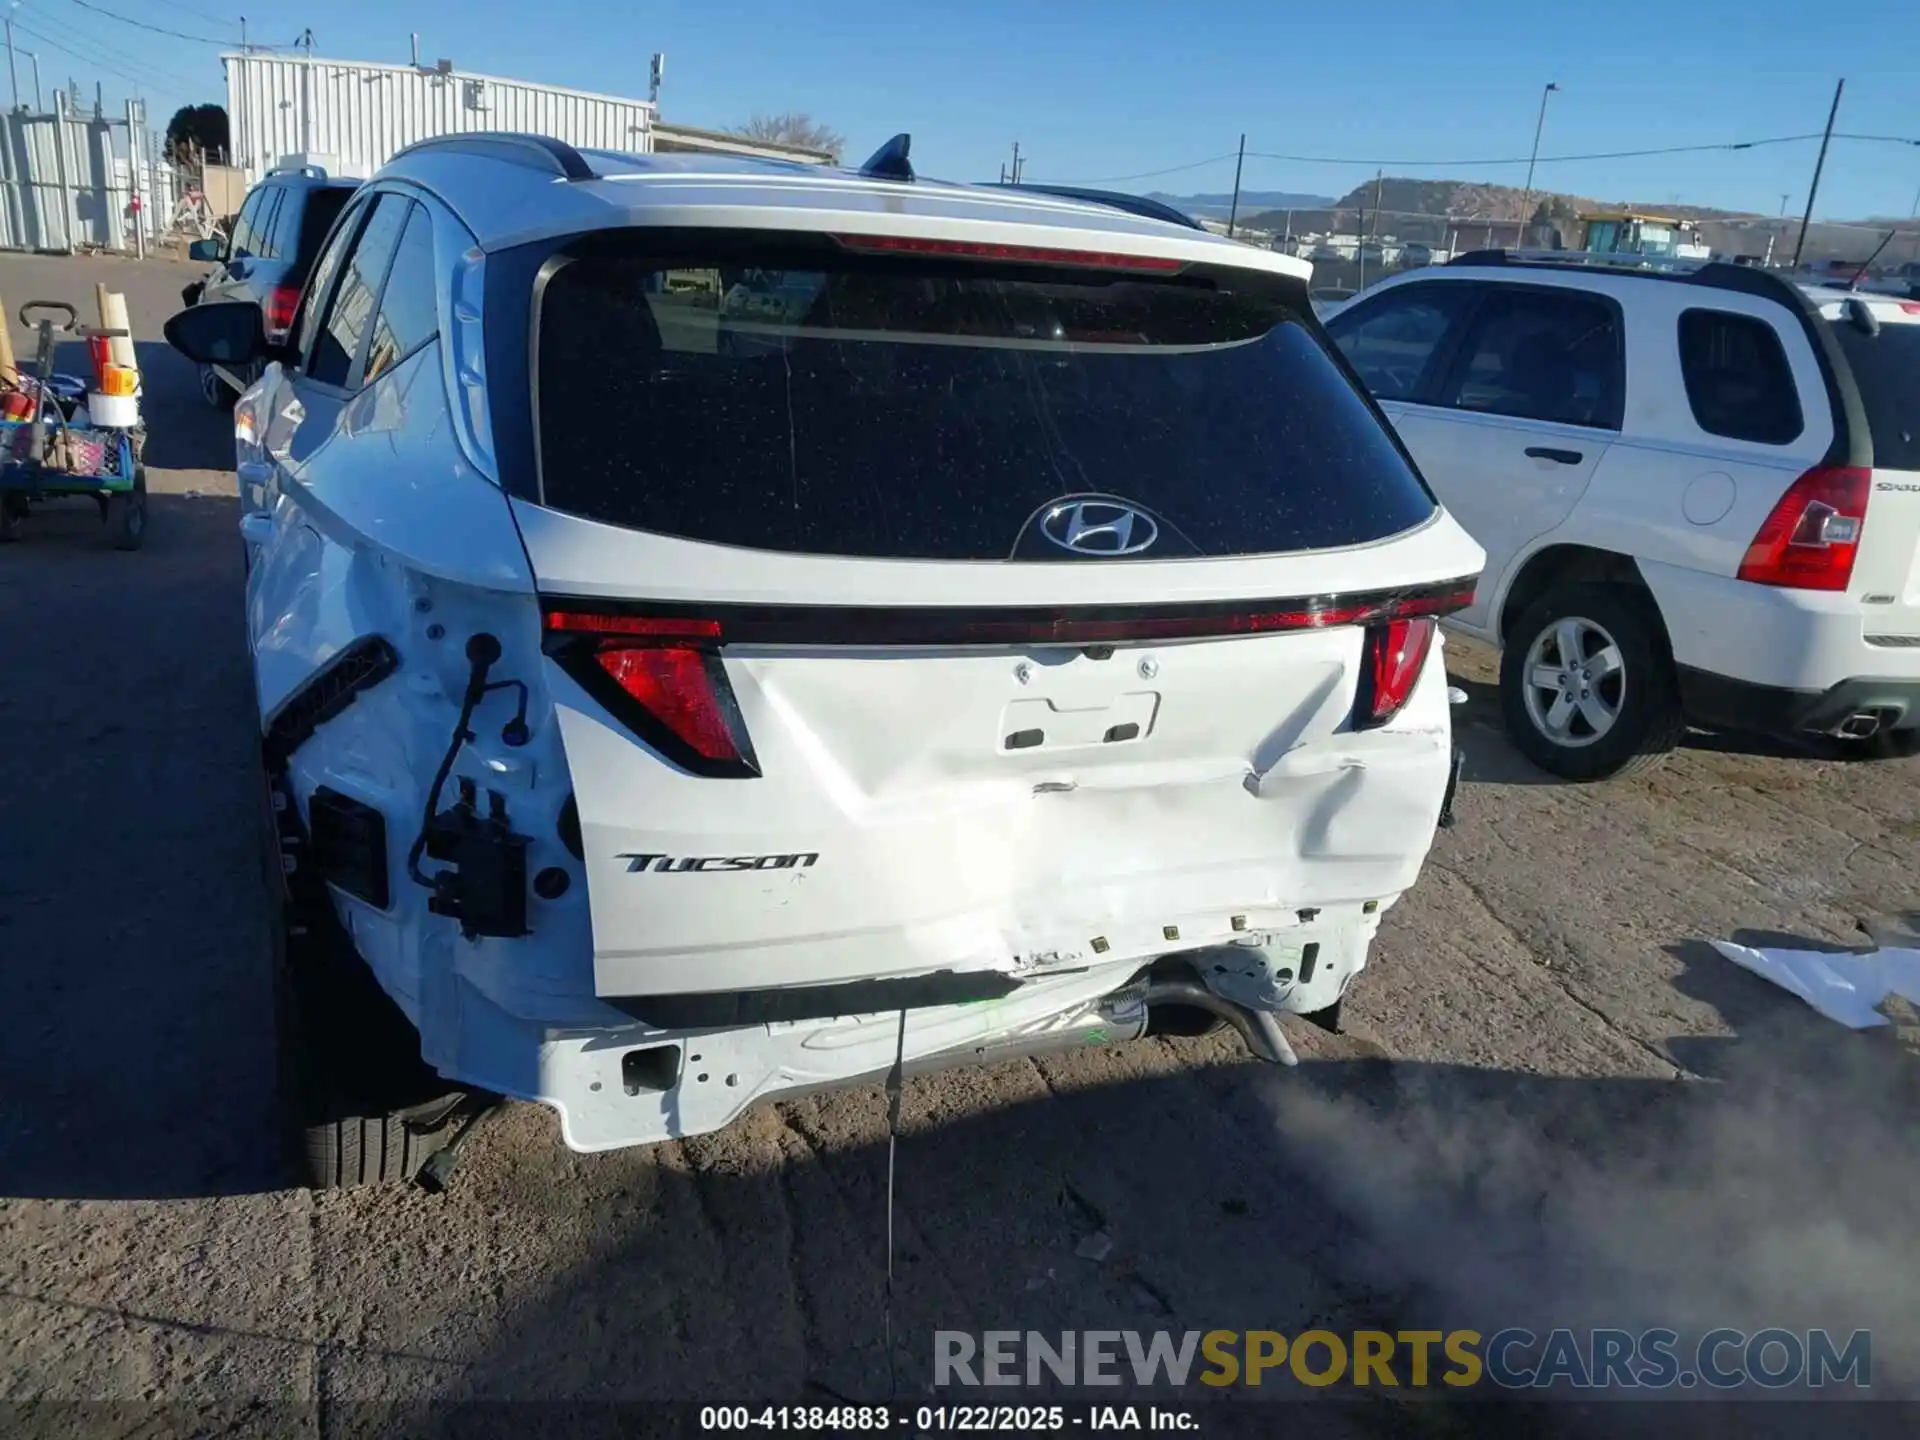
[(59, 438)]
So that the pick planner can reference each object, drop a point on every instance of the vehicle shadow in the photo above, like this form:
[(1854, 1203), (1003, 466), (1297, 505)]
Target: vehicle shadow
[(1345, 1194), (136, 1037)]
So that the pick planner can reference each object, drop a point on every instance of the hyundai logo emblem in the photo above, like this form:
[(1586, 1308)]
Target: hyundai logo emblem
[(1098, 527)]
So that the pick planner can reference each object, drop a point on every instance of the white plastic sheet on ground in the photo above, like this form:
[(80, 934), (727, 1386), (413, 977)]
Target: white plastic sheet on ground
[(1844, 987)]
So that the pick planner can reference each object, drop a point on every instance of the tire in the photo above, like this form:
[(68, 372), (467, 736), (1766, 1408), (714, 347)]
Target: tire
[(13, 517), (1614, 720), (215, 391), (357, 1106), (127, 515)]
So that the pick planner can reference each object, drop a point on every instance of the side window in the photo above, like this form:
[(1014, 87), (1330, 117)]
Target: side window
[(1542, 354), (315, 299), (264, 223), (349, 315), (243, 226), (1391, 340), (284, 228), (409, 314), (1737, 377)]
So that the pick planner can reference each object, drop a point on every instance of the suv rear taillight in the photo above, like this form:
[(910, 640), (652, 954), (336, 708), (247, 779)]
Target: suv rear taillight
[(1394, 655), (1810, 538), (663, 679), (282, 301)]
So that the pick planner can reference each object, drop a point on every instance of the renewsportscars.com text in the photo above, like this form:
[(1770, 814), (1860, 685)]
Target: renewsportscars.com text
[(1514, 1359)]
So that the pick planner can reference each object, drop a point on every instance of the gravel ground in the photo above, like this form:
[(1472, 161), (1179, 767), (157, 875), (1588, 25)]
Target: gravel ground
[(1554, 1105)]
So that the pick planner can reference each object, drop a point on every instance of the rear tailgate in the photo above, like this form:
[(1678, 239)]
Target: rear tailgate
[(907, 618), (1884, 355)]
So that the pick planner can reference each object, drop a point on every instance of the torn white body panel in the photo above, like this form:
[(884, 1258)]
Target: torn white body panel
[(1849, 988)]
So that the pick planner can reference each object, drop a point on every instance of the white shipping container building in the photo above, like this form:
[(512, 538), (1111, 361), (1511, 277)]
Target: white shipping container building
[(358, 115)]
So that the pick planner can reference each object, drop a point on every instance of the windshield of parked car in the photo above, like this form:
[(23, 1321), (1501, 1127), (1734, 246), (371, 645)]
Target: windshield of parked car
[(875, 408)]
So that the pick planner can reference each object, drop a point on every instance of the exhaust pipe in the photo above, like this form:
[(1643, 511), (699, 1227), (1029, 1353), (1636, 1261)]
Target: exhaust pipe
[(1258, 1028), (1862, 725)]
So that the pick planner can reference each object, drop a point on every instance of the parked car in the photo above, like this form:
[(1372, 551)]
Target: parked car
[(266, 259), (994, 655), (1414, 254), (1699, 493)]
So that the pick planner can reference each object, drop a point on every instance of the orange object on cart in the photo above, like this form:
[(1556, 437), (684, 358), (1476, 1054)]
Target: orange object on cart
[(118, 379)]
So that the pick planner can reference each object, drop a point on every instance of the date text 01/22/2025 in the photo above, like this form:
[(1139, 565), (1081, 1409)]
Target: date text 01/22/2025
[(937, 1419)]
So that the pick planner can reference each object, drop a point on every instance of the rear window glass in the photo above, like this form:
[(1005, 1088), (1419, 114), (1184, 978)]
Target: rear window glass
[(323, 207), (883, 408), (1738, 381), (1887, 369)]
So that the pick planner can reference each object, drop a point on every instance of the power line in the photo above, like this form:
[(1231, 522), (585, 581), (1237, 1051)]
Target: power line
[(197, 12), (1144, 174), (142, 25), (1543, 160), (167, 79)]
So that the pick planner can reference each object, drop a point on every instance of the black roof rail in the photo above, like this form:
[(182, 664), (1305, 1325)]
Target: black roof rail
[(1114, 199), (1479, 257), (890, 161), (513, 145)]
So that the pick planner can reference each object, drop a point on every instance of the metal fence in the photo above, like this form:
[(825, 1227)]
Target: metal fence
[(75, 179)]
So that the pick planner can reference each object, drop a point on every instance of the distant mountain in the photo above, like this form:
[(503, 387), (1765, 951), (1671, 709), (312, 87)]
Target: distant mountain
[(1217, 207)]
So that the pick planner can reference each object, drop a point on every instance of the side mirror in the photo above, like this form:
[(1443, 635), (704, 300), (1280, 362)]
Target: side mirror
[(229, 333), (211, 249)]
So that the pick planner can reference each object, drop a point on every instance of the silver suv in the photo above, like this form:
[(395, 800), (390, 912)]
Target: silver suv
[(725, 628)]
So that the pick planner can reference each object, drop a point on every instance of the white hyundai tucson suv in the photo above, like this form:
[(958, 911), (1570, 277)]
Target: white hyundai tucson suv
[(724, 629), (1698, 489)]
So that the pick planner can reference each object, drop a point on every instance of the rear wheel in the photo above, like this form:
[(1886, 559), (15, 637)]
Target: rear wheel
[(127, 515), (1587, 688), (358, 1106)]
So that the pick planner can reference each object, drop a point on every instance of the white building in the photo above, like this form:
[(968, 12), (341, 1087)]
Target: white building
[(360, 114)]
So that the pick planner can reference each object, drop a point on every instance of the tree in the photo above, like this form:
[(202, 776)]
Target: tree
[(197, 131), (798, 128)]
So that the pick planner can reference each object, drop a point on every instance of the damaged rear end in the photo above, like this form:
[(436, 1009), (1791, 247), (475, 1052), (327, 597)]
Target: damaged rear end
[(959, 649)]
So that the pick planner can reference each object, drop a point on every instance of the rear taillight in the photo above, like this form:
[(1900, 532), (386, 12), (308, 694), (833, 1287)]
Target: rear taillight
[(1811, 537), (282, 301), (663, 679), (1393, 656)]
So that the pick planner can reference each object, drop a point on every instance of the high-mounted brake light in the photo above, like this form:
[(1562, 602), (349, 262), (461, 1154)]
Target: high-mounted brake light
[(1393, 658), (282, 301), (1016, 254), (1811, 537)]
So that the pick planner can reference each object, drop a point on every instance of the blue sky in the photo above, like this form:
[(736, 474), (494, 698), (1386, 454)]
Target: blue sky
[(1095, 91)]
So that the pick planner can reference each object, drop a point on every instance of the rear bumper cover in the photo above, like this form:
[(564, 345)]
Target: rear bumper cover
[(1720, 702)]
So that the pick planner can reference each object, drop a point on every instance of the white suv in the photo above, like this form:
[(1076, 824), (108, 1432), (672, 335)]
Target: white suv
[(728, 628), (1699, 493)]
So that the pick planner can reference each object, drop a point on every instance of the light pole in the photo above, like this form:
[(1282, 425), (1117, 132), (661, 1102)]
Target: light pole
[(1526, 197)]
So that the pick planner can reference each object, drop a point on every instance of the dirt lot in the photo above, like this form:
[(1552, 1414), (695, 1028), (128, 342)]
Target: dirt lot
[(1555, 1105)]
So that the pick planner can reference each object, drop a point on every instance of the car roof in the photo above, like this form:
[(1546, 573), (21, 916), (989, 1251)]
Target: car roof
[(512, 189)]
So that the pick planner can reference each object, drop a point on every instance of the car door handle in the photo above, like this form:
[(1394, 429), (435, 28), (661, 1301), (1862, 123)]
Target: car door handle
[(1559, 457), (256, 529)]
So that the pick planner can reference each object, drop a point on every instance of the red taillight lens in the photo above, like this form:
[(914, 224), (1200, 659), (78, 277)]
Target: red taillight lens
[(1395, 654), (675, 686), (1811, 537), (661, 677), (282, 301)]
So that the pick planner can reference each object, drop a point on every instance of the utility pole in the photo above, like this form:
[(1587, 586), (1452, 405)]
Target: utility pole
[(1233, 211), (306, 95), (1526, 197), (1016, 162), (38, 103), (1818, 165), (12, 70), (1783, 202)]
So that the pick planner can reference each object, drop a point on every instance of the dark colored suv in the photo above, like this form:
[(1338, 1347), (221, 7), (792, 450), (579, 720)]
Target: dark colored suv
[(275, 238)]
